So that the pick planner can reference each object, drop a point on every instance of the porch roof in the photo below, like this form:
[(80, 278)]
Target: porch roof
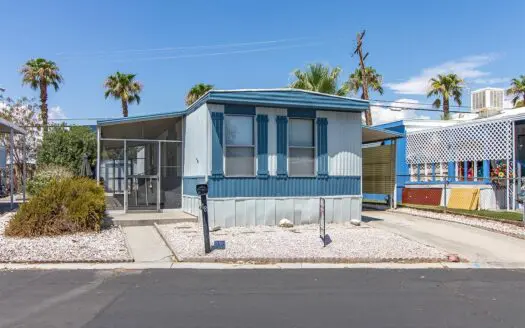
[(372, 134), (286, 98)]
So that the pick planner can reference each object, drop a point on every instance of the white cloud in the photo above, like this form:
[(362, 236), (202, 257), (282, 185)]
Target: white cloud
[(466, 68), (492, 80), (56, 113), (396, 111)]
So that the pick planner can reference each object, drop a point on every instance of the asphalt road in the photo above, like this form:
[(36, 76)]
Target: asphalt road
[(263, 298)]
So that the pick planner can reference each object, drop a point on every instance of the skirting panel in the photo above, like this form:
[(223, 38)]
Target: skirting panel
[(229, 212)]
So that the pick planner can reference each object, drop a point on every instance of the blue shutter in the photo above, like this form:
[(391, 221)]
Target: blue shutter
[(262, 146), (216, 145), (282, 145), (322, 147)]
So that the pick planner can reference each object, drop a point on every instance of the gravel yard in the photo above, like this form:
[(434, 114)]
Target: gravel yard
[(106, 246), (492, 225), (299, 244)]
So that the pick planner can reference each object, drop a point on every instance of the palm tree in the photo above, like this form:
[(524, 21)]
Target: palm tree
[(39, 73), (124, 87), (319, 78), (374, 83), (446, 86), (517, 89), (197, 91)]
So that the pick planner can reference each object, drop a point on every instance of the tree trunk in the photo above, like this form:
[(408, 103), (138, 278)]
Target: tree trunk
[(124, 108), (446, 113), (43, 104)]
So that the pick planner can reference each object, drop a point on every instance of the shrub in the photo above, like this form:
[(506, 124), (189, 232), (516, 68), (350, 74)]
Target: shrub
[(44, 175), (63, 206)]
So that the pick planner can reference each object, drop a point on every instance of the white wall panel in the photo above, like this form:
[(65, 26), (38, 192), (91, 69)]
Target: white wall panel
[(344, 142), (195, 142), (249, 212)]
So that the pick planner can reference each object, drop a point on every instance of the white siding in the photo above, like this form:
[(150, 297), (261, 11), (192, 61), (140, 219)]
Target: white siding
[(229, 212), (272, 135), (195, 156), (344, 142)]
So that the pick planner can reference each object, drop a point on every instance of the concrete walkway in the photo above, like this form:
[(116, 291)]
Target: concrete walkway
[(476, 245), (147, 245)]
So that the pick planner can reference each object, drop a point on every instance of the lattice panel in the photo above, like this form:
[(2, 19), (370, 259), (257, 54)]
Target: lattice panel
[(465, 142)]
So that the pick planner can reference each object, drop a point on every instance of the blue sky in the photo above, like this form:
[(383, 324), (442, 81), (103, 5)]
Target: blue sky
[(172, 45)]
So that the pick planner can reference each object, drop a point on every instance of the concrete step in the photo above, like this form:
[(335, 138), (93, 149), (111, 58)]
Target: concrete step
[(150, 218)]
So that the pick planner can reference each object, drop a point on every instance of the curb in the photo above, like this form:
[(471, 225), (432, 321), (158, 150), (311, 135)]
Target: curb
[(165, 239), (70, 262), (423, 213), (126, 241), (327, 260)]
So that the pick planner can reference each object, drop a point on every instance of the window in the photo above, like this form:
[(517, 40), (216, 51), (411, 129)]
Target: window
[(239, 145), (413, 172), (301, 154)]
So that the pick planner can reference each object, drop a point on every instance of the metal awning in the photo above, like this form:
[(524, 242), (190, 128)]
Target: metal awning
[(374, 134), (6, 126)]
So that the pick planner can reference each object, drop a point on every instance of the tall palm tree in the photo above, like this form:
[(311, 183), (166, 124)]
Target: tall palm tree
[(446, 86), (197, 91), (374, 83), (124, 87), (39, 73), (319, 78), (517, 89)]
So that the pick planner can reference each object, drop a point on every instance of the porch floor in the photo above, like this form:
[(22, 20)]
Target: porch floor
[(149, 218)]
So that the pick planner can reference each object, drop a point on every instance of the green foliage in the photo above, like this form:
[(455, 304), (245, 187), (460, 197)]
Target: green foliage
[(124, 87), (446, 86), (66, 147), (197, 91), (517, 90), (373, 79), (64, 206), (45, 175), (319, 78)]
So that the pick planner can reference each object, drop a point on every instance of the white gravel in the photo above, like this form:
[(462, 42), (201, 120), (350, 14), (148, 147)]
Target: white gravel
[(301, 243), (107, 246), (492, 225)]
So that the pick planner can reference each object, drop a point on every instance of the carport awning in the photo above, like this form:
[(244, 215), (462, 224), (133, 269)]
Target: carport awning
[(372, 134)]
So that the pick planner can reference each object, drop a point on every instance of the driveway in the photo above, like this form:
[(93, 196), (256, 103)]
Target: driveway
[(476, 245)]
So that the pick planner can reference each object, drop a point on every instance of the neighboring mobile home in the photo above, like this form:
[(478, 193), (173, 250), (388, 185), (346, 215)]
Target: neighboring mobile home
[(265, 155)]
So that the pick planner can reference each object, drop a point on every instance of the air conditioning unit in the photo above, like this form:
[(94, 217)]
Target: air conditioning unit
[(487, 101)]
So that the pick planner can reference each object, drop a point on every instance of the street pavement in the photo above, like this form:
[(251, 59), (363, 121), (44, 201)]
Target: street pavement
[(263, 298)]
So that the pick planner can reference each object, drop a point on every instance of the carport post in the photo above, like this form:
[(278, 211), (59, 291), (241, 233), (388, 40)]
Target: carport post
[(12, 168), (98, 154)]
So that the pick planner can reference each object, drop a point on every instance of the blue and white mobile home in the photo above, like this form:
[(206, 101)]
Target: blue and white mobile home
[(265, 155)]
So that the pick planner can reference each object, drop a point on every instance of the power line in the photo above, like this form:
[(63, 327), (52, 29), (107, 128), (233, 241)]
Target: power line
[(418, 103)]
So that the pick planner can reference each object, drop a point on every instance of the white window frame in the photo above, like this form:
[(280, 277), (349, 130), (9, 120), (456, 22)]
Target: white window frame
[(254, 131), (314, 123)]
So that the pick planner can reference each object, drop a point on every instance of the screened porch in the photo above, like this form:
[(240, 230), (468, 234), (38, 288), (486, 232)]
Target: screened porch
[(139, 163)]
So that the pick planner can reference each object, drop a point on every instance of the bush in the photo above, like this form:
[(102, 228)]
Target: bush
[(63, 206), (44, 175)]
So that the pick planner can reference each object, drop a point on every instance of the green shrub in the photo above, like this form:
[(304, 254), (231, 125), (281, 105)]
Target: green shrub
[(63, 206), (44, 175)]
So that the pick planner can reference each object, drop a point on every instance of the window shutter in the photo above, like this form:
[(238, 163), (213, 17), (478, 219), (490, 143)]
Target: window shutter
[(262, 146), (217, 145), (282, 146), (322, 147)]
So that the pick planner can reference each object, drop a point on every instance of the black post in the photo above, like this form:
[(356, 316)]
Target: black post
[(202, 190)]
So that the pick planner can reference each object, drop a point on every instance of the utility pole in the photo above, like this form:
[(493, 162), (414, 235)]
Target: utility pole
[(359, 52)]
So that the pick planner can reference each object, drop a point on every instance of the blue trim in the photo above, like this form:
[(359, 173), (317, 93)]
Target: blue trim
[(451, 171), (465, 171), (217, 169), (322, 148), (486, 171), (433, 165), (289, 187), (282, 146), (239, 110), (190, 183), (301, 113), (262, 146), (284, 98)]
